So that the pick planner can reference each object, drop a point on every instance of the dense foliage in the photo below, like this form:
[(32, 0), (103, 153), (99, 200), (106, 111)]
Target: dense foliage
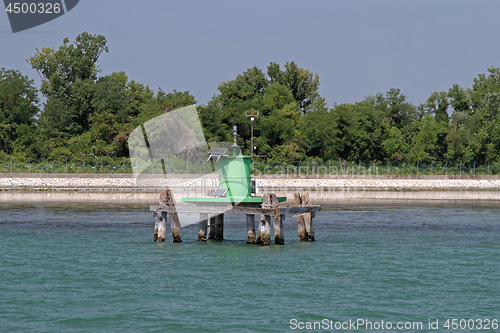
[(85, 115)]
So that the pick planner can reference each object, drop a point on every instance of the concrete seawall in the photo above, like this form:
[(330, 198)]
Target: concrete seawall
[(124, 188)]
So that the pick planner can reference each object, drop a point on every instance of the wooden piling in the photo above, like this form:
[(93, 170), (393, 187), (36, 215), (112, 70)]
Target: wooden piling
[(260, 229), (264, 232), (251, 228), (176, 227), (157, 224), (266, 237), (202, 227), (301, 225), (219, 227), (212, 218), (166, 197), (161, 218), (162, 227), (308, 218), (279, 238)]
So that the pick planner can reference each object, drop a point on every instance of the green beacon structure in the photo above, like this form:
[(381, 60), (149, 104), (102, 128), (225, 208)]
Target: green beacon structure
[(235, 179)]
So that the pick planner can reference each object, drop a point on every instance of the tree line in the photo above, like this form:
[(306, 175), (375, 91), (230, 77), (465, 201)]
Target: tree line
[(85, 115)]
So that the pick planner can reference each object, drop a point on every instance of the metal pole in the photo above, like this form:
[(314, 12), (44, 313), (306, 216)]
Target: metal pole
[(251, 148), (252, 114)]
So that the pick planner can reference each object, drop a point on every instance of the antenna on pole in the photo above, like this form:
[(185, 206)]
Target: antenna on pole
[(252, 114)]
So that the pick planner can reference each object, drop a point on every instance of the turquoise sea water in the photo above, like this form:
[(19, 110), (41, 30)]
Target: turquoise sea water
[(95, 268)]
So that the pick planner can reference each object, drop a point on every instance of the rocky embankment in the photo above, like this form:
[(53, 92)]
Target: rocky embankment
[(102, 188), (127, 183)]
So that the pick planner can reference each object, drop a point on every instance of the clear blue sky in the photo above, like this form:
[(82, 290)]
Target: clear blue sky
[(358, 48)]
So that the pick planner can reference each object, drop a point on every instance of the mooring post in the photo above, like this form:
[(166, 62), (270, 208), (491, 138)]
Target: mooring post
[(301, 226), (264, 232), (260, 229), (219, 227), (278, 218), (166, 198), (176, 227), (202, 227), (157, 216), (266, 237), (251, 228), (161, 218), (162, 227), (308, 218), (211, 228)]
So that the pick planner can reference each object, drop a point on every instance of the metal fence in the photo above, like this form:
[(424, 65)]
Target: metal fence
[(336, 168), (95, 165), (333, 168)]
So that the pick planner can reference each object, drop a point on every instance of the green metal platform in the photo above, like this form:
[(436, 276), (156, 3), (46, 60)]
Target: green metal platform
[(237, 200)]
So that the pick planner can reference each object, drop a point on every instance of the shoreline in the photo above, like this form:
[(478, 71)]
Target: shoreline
[(127, 182), (345, 197), (123, 188)]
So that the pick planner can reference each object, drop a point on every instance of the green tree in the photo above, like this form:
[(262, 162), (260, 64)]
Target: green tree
[(302, 84), (18, 107), (424, 143), (393, 145), (68, 81), (110, 95), (459, 100), (437, 105), (281, 96), (485, 84), (70, 62), (360, 131), (394, 106), (320, 130)]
